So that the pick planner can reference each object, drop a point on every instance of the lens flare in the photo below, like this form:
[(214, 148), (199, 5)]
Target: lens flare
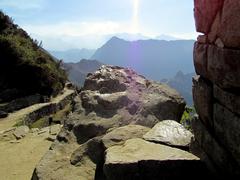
[(135, 23)]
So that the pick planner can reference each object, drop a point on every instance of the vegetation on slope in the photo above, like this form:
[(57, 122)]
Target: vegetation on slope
[(187, 117), (24, 66)]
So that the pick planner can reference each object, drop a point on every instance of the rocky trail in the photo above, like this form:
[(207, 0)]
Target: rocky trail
[(22, 148), (20, 115)]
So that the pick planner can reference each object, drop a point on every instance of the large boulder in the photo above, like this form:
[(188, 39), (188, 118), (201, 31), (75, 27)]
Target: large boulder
[(114, 105), (171, 133), (139, 159)]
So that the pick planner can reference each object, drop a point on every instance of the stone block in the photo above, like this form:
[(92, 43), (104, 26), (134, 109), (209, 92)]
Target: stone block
[(205, 12), (223, 67), (230, 100), (227, 130), (224, 162), (200, 58), (203, 100), (230, 24)]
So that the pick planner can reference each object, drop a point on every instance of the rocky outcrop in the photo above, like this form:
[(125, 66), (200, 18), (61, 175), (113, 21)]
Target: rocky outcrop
[(115, 105), (217, 86)]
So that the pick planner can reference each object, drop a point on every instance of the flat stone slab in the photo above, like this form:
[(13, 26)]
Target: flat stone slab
[(169, 132), (119, 135), (139, 159)]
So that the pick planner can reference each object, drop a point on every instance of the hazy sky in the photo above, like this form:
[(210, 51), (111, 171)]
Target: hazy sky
[(65, 24)]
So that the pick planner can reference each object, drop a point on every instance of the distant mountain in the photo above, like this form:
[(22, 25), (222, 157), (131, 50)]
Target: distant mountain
[(130, 37), (167, 37), (73, 55), (77, 72), (156, 59), (183, 84)]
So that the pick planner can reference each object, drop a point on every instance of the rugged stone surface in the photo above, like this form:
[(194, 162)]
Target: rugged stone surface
[(205, 12), (21, 131), (169, 132), (224, 67), (111, 98), (200, 58), (119, 135), (139, 159), (227, 133), (216, 92), (203, 100), (224, 163), (230, 100), (213, 34), (229, 29), (219, 65)]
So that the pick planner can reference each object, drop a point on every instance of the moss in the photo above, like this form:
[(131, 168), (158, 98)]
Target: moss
[(62, 113), (40, 123)]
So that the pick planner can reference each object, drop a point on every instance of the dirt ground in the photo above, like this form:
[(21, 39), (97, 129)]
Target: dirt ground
[(19, 158)]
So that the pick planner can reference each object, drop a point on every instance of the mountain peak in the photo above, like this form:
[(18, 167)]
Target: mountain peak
[(115, 38)]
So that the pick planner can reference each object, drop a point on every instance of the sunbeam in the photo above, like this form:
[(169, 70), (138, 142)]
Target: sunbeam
[(135, 23)]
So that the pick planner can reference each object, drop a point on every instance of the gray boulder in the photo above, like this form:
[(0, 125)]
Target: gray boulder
[(171, 133)]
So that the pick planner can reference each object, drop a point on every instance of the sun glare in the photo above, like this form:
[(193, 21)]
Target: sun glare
[(135, 23)]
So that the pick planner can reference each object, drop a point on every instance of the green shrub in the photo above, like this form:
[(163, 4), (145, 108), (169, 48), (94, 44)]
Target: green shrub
[(187, 117)]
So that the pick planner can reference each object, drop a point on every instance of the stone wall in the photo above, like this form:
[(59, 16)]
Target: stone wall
[(216, 88)]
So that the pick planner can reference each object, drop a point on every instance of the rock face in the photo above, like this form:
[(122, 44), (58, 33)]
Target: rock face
[(169, 132), (217, 86), (139, 159), (115, 105)]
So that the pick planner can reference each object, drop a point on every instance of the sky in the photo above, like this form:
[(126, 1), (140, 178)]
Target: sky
[(71, 24)]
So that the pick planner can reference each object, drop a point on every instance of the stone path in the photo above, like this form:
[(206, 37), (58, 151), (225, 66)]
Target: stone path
[(17, 116)]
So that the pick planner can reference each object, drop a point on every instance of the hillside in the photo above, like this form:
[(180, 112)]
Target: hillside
[(77, 72), (156, 59), (25, 68)]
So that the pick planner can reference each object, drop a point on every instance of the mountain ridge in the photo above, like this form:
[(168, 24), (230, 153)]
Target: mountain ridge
[(152, 58)]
